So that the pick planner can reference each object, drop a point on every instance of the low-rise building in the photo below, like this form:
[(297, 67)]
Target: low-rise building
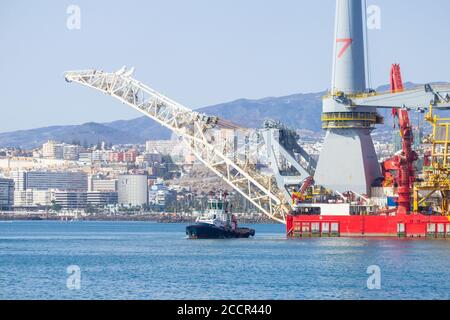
[(149, 158), (70, 200), (52, 150), (42, 197), (116, 157), (32, 198), (71, 152), (85, 157), (130, 156), (6, 194), (101, 199), (160, 195), (101, 155)]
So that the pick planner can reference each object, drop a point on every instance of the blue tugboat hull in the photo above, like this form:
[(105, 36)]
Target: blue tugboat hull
[(207, 231)]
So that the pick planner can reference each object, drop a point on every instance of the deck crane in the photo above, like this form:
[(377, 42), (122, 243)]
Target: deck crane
[(264, 192), (272, 195), (403, 163)]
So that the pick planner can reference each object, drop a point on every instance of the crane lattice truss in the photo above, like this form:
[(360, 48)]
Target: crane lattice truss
[(194, 128)]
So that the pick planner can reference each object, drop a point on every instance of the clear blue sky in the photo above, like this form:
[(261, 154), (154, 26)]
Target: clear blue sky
[(198, 52)]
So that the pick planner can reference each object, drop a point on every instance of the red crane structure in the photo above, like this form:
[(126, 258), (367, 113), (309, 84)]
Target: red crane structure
[(399, 170)]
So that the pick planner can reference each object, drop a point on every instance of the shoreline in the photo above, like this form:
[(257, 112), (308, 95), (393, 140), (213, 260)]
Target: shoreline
[(125, 218)]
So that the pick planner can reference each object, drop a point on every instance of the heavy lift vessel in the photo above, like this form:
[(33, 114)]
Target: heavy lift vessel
[(356, 198), (321, 213), (348, 192)]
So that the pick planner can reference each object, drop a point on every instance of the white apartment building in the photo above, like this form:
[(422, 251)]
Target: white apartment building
[(28, 198), (102, 185), (71, 152), (52, 150)]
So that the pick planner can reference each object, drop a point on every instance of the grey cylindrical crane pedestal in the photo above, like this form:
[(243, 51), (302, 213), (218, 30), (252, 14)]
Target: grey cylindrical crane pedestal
[(348, 161)]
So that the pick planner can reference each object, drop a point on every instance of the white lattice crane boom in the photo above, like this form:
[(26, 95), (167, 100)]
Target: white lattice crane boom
[(193, 127)]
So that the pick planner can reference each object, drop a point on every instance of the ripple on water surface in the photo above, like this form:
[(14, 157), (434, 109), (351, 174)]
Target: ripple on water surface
[(142, 260)]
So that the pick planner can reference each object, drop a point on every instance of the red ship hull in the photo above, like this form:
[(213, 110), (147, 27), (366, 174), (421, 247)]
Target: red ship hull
[(402, 226)]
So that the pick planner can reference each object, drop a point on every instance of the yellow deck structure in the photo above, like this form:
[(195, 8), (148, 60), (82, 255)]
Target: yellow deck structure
[(436, 179)]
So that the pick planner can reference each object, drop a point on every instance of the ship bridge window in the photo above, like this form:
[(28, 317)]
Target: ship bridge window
[(308, 210), (358, 210)]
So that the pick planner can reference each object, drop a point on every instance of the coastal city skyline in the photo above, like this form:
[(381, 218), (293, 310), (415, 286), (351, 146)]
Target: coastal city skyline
[(80, 178)]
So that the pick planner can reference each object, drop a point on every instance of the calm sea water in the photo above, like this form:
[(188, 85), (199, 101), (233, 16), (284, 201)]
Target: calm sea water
[(143, 260)]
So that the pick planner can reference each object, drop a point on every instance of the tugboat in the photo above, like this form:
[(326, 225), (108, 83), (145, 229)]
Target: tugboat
[(218, 222)]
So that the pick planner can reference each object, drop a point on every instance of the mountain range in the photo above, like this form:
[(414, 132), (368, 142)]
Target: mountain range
[(298, 111)]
